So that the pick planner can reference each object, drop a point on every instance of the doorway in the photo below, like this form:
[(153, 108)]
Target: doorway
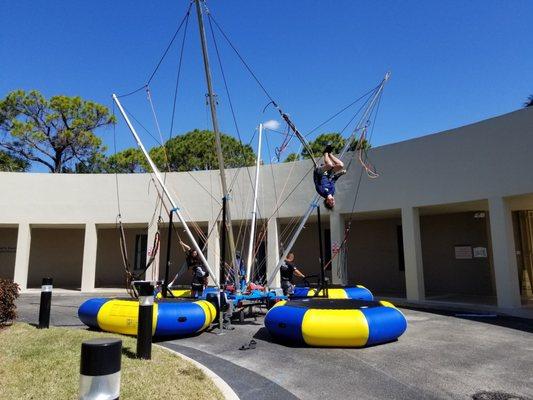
[(523, 230)]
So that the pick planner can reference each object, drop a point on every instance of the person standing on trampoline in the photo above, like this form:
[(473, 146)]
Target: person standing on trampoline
[(325, 176)]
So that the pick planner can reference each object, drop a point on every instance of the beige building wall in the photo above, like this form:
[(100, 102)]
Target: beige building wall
[(8, 250), (56, 253), (109, 263), (444, 274), (306, 250), (457, 166), (373, 256)]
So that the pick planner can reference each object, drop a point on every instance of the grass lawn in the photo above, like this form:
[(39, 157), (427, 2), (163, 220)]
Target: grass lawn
[(45, 364)]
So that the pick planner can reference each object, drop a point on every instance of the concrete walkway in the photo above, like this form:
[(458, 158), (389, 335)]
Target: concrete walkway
[(439, 357)]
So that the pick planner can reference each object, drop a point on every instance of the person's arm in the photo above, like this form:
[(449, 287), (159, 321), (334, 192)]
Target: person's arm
[(298, 273), (185, 246)]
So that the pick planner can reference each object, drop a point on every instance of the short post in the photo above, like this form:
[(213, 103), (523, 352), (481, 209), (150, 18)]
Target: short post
[(100, 369), (46, 302), (144, 327)]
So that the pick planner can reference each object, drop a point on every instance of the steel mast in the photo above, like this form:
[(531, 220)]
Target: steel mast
[(212, 106), (169, 196), (254, 210)]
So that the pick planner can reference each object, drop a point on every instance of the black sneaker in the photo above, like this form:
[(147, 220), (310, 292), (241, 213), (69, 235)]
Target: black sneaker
[(328, 148)]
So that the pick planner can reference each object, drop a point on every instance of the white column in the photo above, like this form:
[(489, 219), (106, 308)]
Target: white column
[(336, 226), (90, 246), (213, 249), (273, 250), (22, 257), (153, 271), (503, 253), (412, 249)]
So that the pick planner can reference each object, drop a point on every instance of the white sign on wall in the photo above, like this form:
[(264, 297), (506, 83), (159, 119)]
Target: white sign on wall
[(463, 252), (480, 252)]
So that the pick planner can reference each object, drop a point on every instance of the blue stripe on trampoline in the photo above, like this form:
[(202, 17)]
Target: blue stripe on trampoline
[(179, 318), (300, 291), (88, 311), (358, 293), (385, 324), (285, 323)]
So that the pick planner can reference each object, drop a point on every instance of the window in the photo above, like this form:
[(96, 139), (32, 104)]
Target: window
[(140, 252)]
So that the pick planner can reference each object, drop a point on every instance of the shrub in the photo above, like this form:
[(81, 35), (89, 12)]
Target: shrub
[(9, 291)]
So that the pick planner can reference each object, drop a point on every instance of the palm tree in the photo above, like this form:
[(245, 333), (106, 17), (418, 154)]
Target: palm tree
[(529, 102)]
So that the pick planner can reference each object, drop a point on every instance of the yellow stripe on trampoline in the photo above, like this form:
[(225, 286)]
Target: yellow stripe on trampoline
[(121, 316), (210, 313), (333, 293), (177, 293), (386, 304), (334, 328)]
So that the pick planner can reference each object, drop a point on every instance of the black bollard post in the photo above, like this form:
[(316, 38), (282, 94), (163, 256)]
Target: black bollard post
[(100, 369), (144, 327), (46, 302)]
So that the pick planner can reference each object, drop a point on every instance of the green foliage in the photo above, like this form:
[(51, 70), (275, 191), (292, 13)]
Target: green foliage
[(529, 102), (292, 157), (127, 161), (57, 133), (11, 163), (196, 150), (318, 145), (9, 291)]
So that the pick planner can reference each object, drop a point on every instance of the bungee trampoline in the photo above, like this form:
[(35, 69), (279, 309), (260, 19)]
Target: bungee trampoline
[(171, 317), (325, 322)]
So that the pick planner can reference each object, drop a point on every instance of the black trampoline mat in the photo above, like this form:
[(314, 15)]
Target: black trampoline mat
[(333, 304)]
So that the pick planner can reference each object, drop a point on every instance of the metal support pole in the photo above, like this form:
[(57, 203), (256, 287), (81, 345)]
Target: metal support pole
[(316, 198), (159, 179), (216, 130), (223, 244), (254, 210), (100, 369), (145, 320), (321, 245), (167, 265), (46, 303)]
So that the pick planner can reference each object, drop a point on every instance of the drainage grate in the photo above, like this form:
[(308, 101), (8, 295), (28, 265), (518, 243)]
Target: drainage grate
[(498, 396)]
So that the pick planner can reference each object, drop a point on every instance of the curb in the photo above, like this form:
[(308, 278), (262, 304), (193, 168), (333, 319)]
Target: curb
[(227, 391)]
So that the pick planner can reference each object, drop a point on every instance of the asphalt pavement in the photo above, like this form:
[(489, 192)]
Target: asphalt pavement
[(441, 356)]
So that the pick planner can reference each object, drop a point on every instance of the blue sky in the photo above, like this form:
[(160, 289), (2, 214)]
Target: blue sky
[(453, 62)]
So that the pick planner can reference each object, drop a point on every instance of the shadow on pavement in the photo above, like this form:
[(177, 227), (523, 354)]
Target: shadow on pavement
[(520, 324)]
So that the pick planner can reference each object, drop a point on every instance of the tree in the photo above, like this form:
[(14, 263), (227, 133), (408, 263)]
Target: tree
[(11, 163), (126, 161), (196, 150), (57, 133), (529, 102), (317, 146), (292, 157)]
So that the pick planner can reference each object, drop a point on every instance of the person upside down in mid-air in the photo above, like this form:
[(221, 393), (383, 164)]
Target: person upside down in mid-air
[(325, 176)]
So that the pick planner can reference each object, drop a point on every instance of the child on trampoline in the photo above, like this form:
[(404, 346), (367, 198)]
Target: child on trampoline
[(199, 272)]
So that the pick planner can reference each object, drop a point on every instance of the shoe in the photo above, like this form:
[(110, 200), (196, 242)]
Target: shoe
[(328, 148)]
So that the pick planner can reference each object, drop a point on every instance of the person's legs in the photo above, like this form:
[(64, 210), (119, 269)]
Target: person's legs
[(337, 164), (328, 162)]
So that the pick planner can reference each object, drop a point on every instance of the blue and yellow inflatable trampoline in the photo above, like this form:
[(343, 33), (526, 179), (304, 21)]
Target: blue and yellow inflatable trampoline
[(335, 322), (172, 317), (357, 292)]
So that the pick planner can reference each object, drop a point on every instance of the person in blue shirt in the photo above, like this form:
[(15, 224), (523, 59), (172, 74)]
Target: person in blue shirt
[(325, 176)]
